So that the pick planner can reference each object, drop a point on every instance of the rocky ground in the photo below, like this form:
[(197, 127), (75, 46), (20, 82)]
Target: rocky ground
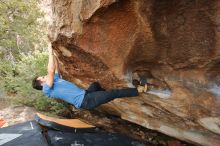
[(14, 114), (115, 124)]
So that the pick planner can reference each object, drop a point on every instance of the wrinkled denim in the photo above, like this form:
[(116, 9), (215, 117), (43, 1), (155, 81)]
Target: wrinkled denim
[(96, 95)]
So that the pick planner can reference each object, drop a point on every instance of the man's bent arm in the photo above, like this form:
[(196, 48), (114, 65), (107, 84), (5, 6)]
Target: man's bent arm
[(50, 68)]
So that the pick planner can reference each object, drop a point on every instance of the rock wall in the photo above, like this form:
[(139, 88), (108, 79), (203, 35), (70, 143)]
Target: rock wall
[(173, 44)]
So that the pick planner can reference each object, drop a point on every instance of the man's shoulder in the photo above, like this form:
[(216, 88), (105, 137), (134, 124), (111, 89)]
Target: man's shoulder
[(46, 89)]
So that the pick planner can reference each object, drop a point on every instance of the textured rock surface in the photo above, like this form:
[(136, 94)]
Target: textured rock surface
[(174, 44)]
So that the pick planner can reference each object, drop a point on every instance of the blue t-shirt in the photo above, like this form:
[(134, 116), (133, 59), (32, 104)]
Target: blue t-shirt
[(65, 90)]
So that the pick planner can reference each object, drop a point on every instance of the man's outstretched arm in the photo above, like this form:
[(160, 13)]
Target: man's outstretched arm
[(50, 68)]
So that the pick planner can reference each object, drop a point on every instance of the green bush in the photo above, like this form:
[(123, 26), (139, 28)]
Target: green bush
[(23, 31), (17, 79), (47, 104), (16, 76)]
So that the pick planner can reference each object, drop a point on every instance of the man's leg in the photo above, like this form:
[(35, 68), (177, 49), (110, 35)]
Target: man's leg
[(95, 99), (95, 86)]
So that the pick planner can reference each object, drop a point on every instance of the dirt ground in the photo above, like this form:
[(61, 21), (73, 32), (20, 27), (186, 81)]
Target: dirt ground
[(14, 114)]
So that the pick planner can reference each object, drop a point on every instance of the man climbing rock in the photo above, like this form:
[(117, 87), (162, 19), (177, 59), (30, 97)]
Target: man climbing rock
[(55, 87)]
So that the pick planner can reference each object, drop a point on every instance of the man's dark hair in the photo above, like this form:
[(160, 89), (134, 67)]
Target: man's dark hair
[(36, 84)]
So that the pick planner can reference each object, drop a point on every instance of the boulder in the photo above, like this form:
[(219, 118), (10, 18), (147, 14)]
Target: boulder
[(171, 44)]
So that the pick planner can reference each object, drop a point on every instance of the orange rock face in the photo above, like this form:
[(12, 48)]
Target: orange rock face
[(173, 44)]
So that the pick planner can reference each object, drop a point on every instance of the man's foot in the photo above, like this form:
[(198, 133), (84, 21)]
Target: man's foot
[(136, 83), (142, 89), (142, 81)]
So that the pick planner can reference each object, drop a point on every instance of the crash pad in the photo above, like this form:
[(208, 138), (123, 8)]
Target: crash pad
[(32, 134), (23, 134), (59, 123), (57, 138)]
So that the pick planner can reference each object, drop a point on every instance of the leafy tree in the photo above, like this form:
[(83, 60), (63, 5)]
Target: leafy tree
[(16, 82), (16, 78), (22, 54), (21, 26)]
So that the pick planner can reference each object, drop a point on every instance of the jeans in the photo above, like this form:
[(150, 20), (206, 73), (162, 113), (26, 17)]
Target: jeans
[(96, 95)]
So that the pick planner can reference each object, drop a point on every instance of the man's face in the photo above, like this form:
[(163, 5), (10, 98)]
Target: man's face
[(42, 79)]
